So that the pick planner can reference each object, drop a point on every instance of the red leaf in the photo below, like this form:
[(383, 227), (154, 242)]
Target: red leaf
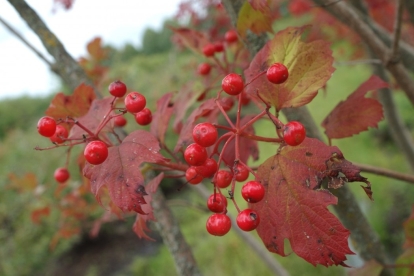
[(256, 20), (140, 225), (161, 117), (309, 65), (192, 39), (121, 170), (260, 5), (295, 205), (37, 214), (356, 113)]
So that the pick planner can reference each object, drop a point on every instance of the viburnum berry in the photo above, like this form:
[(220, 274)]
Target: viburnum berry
[(277, 73), (195, 155), (232, 84), (208, 169), (96, 152), (117, 89), (294, 133), (218, 224), (135, 102), (218, 47), (253, 191), (209, 50), (205, 134), (231, 36), (143, 117), (60, 134), (120, 121), (223, 178), (61, 175), (241, 173), (204, 69), (227, 103), (217, 203), (248, 220), (46, 126), (192, 176)]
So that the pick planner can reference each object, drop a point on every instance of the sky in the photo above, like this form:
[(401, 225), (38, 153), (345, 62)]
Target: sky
[(116, 22)]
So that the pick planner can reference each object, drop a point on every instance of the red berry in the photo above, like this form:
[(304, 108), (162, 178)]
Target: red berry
[(204, 69), (195, 155), (209, 50), (135, 102), (205, 134), (208, 169), (96, 152), (218, 224), (248, 220), (61, 175), (223, 178), (241, 173), (46, 126), (253, 191), (294, 133), (120, 121), (117, 89), (231, 36), (232, 84), (192, 176), (218, 47), (227, 103), (61, 133), (217, 203), (277, 73), (144, 117)]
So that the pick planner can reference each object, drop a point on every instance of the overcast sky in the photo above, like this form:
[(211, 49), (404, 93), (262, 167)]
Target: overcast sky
[(116, 22)]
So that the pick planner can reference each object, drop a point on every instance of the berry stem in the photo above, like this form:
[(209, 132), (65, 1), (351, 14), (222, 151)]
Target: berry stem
[(76, 122), (224, 112), (255, 78)]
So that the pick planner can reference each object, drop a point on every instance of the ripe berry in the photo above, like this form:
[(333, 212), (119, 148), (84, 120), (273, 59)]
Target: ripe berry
[(117, 89), (61, 175), (241, 173), (231, 36), (46, 126), (232, 84), (227, 103), (120, 121), (205, 134), (218, 47), (253, 191), (135, 102), (223, 178), (248, 220), (294, 133), (60, 134), (277, 73), (195, 155), (218, 224), (217, 203), (144, 117), (96, 152), (208, 169), (209, 50), (204, 69), (192, 176)]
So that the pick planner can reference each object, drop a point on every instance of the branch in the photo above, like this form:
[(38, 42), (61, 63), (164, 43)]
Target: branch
[(394, 56), (386, 172)]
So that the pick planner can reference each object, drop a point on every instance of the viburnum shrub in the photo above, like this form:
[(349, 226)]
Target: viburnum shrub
[(287, 196)]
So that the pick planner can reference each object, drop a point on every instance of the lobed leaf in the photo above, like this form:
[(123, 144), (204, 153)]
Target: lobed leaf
[(356, 113), (161, 117), (256, 18), (192, 39), (309, 65)]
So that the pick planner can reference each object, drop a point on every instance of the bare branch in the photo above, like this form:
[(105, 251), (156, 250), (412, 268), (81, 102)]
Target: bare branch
[(394, 56), (386, 172)]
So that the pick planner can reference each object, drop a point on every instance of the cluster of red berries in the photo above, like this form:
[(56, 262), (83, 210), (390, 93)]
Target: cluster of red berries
[(96, 150)]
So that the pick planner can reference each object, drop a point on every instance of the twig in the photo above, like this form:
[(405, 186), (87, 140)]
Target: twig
[(386, 172), (360, 61), (394, 54)]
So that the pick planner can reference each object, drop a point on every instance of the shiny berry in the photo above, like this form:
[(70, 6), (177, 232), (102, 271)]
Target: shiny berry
[(232, 84), (46, 126), (208, 169), (253, 191), (60, 135), (248, 220), (223, 178), (135, 102), (195, 155), (192, 176), (120, 121), (277, 73), (241, 173), (144, 117), (231, 36), (117, 89), (96, 152), (294, 133), (61, 175), (205, 134), (209, 50), (218, 224), (204, 69), (217, 203)]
